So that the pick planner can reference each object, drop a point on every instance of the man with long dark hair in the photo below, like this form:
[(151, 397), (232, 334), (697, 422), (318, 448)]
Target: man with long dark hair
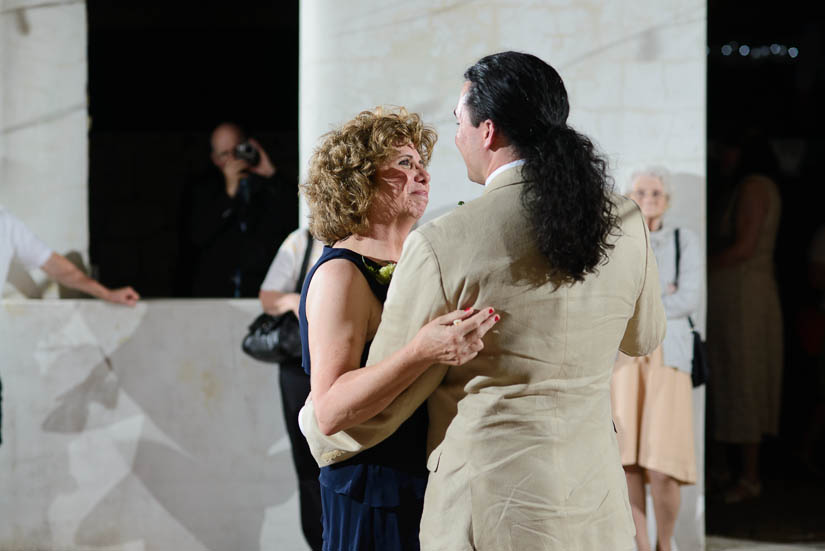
[(522, 450)]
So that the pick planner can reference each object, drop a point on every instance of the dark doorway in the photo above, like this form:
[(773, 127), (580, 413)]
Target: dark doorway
[(766, 77), (162, 75)]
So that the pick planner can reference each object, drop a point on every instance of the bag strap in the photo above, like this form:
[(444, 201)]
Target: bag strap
[(678, 258), (300, 283), (678, 255)]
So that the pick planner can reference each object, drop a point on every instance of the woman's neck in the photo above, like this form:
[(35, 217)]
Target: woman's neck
[(654, 224), (381, 242)]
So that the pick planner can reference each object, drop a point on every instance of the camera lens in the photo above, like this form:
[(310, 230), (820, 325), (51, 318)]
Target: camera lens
[(247, 152)]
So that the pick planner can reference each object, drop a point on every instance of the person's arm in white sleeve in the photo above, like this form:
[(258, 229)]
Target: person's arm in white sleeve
[(64, 272), (277, 294), (34, 253), (276, 303)]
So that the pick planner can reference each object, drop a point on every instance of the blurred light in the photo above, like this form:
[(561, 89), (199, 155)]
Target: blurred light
[(761, 51), (757, 52)]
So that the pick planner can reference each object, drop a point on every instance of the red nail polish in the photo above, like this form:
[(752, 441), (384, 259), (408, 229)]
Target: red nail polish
[(468, 309), (490, 311), (496, 318)]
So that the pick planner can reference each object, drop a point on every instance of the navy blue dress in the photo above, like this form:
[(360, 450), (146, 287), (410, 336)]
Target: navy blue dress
[(372, 501)]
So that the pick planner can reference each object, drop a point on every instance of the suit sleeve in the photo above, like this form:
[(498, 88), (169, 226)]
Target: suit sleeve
[(415, 297), (646, 329)]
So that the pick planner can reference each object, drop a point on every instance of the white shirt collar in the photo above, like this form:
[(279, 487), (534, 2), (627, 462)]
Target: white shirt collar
[(501, 169)]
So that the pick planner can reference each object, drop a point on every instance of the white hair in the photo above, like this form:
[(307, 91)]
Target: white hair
[(654, 171)]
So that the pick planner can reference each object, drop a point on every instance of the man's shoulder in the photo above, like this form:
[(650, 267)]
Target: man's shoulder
[(6, 227), (444, 229), (205, 177), (624, 204), (629, 216), (205, 184), (10, 223), (6, 216), (472, 220)]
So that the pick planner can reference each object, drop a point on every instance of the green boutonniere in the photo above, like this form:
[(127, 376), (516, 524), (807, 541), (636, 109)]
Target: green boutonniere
[(382, 275), (460, 203)]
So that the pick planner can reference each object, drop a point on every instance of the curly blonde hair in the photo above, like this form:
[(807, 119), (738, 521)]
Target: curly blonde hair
[(340, 185)]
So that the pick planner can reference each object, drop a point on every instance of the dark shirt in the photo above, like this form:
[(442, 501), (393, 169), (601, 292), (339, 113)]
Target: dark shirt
[(236, 238), (377, 476)]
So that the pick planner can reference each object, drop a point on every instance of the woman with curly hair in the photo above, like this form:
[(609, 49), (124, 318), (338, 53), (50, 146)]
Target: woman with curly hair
[(367, 186)]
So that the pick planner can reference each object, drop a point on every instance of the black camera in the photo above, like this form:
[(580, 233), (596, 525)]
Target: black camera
[(247, 152)]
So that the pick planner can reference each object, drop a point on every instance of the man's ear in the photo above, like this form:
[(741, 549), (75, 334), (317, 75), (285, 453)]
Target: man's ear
[(489, 134)]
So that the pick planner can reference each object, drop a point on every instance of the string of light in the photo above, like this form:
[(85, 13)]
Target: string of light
[(757, 52)]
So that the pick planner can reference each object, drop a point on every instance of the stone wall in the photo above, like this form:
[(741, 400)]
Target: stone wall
[(634, 70), (141, 429)]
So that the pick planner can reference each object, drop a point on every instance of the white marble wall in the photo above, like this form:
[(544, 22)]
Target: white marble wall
[(634, 70), (141, 429), (43, 119)]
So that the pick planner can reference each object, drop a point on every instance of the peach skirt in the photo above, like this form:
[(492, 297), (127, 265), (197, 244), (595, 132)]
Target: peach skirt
[(653, 410)]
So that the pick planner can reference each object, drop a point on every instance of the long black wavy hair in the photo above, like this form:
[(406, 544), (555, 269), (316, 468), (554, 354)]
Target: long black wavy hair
[(568, 191)]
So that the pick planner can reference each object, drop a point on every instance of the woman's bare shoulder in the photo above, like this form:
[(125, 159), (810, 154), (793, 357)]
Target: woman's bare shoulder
[(338, 279), (337, 268)]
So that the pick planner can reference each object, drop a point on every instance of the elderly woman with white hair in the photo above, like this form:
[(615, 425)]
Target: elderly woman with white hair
[(651, 395)]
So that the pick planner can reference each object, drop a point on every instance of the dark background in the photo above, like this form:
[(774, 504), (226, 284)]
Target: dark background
[(782, 98), (162, 75)]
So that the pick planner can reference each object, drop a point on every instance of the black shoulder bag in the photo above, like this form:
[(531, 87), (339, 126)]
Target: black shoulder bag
[(277, 339), (699, 370)]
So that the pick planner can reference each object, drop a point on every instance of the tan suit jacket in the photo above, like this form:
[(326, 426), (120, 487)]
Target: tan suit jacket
[(522, 449)]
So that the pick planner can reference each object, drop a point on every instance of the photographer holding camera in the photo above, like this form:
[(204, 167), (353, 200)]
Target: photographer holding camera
[(235, 224)]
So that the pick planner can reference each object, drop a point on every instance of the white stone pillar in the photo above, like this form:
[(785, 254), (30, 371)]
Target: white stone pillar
[(43, 119)]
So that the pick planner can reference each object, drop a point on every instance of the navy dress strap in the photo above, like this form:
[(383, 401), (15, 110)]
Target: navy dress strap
[(367, 267)]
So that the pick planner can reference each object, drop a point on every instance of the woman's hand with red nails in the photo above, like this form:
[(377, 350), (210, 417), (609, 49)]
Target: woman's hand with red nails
[(455, 338)]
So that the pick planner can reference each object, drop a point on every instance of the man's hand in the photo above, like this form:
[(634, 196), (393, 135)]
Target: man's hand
[(265, 168), (124, 295), (233, 171)]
